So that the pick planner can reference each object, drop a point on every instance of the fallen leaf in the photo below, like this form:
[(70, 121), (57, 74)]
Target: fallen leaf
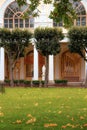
[(50, 125), (29, 115), (64, 126), (36, 104), (32, 120), (59, 112), (18, 121), (72, 119), (85, 125), (81, 118), (1, 114), (68, 124)]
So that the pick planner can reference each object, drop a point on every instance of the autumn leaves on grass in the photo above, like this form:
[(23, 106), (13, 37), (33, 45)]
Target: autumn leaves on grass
[(30, 120)]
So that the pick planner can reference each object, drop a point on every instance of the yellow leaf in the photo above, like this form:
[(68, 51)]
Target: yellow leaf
[(69, 124), (18, 121), (81, 117), (72, 119), (29, 115), (50, 125), (85, 125), (59, 112), (32, 120), (64, 126), (36, 104), (1, 114)]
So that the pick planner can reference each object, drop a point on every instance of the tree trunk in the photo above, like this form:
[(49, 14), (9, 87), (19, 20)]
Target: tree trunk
[(11, 72), (47, 71)]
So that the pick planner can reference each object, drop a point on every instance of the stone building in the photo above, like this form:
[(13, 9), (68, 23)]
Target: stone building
[(62, 66)]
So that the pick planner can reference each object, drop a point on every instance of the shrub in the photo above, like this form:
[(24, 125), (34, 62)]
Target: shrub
[(42, 82), (7, 81), (16, 81), (21, 81), (35, 83), (27, 82), (61, 81)]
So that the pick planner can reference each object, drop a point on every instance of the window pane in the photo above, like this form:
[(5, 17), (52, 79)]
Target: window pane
[(31, 22), (26, 23), (21, 23), (54, 24), (14, 7), (10, 23), (78, 21), (16, 23), (60, 24), (83, 21), (8, 13), (6, 23)]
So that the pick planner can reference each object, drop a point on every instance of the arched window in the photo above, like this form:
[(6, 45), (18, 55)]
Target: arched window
[(81, 14), (13, 17)]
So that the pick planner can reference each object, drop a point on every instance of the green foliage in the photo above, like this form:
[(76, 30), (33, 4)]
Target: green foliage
[(14, 42), (35, 82), (33, 7), (21, 81), (42, 82), (27, 82), (7, 81), (78, 41), (16, 81), (47, 40), (57, 81), (63, 10)]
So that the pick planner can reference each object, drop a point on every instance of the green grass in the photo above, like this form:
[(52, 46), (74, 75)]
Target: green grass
[(43, 108)]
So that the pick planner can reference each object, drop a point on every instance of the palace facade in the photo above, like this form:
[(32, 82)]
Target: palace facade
[(64, 65)]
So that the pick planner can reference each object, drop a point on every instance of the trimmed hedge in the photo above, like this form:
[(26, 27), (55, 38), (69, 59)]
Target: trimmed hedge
[(57, 81)]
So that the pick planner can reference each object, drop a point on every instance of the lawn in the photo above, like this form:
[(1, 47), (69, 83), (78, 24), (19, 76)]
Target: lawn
[(43, 109)]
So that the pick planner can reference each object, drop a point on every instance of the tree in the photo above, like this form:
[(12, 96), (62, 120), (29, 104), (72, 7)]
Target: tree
[(14, 43), (48, 43), (63, 10), (78, 42)]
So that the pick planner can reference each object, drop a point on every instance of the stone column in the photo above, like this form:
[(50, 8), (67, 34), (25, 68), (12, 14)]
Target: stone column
[(51, 68), (2, 75), (35, 68)]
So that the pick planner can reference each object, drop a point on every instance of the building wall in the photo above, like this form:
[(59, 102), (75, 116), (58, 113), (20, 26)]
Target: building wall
[(43, 21)]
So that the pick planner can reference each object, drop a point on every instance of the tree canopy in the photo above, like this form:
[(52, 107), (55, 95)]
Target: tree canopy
[(14, 43), (48, 40), (48, 43), (78, 41), (63, 10)]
